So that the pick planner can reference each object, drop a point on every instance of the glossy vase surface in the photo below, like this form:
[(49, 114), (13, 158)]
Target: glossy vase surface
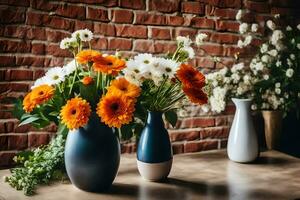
[(273, 127), (154, 153), (92, 156), (242, 142)]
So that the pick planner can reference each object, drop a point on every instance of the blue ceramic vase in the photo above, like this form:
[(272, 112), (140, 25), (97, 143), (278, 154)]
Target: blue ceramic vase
[(92, 156), (154, 153)]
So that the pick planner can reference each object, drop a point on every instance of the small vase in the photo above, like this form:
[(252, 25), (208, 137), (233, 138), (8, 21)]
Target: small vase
[(273, 127), (154, 153), (92, 156), (242, 142)]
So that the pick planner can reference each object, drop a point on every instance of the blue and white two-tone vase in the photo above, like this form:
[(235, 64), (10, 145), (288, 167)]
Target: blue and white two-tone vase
[(154, 152), (92, 156)]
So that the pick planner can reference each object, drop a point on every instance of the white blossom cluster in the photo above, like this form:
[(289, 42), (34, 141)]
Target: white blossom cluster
[(84, 35)]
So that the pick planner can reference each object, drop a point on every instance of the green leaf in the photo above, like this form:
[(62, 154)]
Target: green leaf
[(29, 120), (171, 117), (18, 109)]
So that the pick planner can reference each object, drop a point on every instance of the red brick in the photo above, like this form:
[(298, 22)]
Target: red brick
[(167, 6), (104, 29), (71, 11), (221, 121), (200, 146), (99, 43), (134, 4), (214, 132), (17, 142), (226, 38), (131, 31), (128, 147), (227, 26), (55, 50), (15, 87), (200, 22), (38, 49), (226, 3), (9, 46), (160, 33), (120, 44), (20, 75), (195, 122), (205, 62), (224, 13), (175, 20), (30, 61), (6, 158), (163, 47), (185, 32), (225, 62), (122, 16), (38, 139), (54, 61), (150, 19), (192, 7), (15, 31), (9, 126), (24, 3), (182, 135), (10, 15), (38, 73), (143, 46), (177, 148), (213, 49), (261, 7), (36, 33), (44, 5), (7, 61), (3, 140), (83, 25), (55, 36), (97, 14), (284, 11)]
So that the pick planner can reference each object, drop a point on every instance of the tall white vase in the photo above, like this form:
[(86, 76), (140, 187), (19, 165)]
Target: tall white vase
[(242, 144)]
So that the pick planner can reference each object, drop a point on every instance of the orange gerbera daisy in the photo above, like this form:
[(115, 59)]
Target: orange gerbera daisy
[(109, 64), (87, 80), (124, 87), (195, 95), (86, 56), (115, 110), (37, 96), (75, 113), (190, 77)]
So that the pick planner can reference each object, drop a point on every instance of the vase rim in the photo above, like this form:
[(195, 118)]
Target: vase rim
[(241, 99)]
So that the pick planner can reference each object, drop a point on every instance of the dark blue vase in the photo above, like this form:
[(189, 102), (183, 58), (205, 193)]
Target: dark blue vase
[(92, 156), (154, 153)]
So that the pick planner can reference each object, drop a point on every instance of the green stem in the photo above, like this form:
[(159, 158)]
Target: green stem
[(74, 78)]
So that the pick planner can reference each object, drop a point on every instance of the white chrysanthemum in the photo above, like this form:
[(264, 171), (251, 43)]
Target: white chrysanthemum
[(266, 58), (278, 63), (277, 90), (273, 52), (277, 16), (240, 44), (292, 56), (144, 58), (168, 67), (266, 77), (85, 35), (277, 85), (41, 81), (288, 28), (205, 108), (247, 79), (271, 25), (289, 72), (293, 41), (217, 100), (298, 26), (254, 28), (55, 75), (289, 62), (264, 48), (65, 43), (259, 66), (237, 67), (280, 46), (276, 36), (243, 28), (254, 107), (248, 40), (190, 51), (199, 38), (239, 15), (186, 41), (70, 67), (235, 78), (298, 46)]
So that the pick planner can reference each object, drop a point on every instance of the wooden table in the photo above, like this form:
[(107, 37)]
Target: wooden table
[(207, 175)]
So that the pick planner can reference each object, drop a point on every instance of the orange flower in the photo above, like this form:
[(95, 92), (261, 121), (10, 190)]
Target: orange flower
[(115, 110), (124, 87), (86, 56), (37, 96), (190, 77), (108, 64), (195, 95), (75, 113), (87, 80)]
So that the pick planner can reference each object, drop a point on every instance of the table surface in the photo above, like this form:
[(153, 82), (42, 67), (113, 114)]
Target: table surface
[(206, 175)]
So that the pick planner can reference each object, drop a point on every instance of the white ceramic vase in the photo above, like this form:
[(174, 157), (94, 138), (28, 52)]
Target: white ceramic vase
[(242, 144)]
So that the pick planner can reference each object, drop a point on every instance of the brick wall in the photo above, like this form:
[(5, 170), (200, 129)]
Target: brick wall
[(30, 32)]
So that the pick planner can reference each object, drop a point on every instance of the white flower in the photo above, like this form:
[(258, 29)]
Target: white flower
[(273, 52), (167, 66), (254, 107), (85, 35), (292, 56), (277, 90), (278, 63), (279, 46), (235, 78), (277, 85), (247, 79), (271, 25), (266, 58), (199, 38), (216, 59), (217, 100), (266, 77), (254, 28), (237, 67), (239, 14), (298, 26), (70, 67), (144, 58), (248, 40), (277, 16), (240, 44), (205, 108), (41, 81), (289, 62), (189, 51), (186, 41), (66, 43), (259, 66), (264, 48), (293, 41), (55, 75), (243, 28), (276, 36), (289, 72), (288, 28), (298, 45), (286, 95)]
